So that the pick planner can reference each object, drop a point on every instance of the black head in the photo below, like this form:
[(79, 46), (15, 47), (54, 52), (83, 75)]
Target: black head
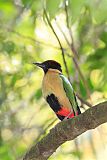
[(49, 64)]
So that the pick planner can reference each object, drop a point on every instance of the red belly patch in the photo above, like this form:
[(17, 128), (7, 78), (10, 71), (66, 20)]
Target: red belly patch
[(65, 112)]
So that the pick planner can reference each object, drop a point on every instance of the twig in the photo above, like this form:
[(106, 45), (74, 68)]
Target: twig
[(83, 101), (76, 57), (68, 43), (70, 32), (75, 60), (82, 77), (62, 50)]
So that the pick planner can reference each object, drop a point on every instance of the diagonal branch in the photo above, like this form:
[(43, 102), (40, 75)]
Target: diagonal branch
[(62, 50), (61, 133)]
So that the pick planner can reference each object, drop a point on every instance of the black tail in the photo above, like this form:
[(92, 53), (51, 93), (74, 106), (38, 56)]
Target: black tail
[(78, 109)]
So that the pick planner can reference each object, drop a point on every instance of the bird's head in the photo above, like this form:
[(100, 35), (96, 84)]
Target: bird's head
[(49, 64)]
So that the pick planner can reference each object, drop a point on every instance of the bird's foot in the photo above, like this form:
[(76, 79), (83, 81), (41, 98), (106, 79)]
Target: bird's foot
[(68, 116)]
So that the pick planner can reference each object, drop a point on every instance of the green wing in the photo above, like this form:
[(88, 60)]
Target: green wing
[(70, 93)]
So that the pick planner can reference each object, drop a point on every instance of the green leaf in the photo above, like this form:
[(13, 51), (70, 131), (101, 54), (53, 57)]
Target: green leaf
[(75, 7), (99, 13), (104, 37), (38, 94), (15, 77), (9, 46), (7, 9), (77, 154), (82, 89), (52, 7), (98, 59), (37, 6), (26, 2), (5, 153), (96, 78)]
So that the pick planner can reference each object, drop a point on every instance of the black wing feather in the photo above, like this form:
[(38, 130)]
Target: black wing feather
[(54, 104)]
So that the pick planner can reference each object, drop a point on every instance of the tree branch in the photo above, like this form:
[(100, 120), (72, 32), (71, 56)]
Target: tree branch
[(68, 130)]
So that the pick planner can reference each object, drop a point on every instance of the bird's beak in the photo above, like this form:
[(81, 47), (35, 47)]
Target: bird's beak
[(38, 64)]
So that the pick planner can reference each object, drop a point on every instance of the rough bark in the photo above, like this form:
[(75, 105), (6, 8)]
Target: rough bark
[(68, 130)]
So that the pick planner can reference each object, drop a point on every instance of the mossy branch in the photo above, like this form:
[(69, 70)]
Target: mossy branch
[(68, 130)]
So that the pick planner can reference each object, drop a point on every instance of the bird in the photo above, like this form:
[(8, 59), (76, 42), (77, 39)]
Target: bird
[(58, 91)]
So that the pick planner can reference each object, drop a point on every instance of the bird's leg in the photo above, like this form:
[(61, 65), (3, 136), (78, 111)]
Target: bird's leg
[(65, 118)]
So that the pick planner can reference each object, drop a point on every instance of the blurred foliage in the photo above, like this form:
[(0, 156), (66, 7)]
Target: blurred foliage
[(25, 37)]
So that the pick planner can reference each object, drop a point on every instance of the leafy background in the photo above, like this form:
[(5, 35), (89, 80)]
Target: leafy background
[(26, 36)]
